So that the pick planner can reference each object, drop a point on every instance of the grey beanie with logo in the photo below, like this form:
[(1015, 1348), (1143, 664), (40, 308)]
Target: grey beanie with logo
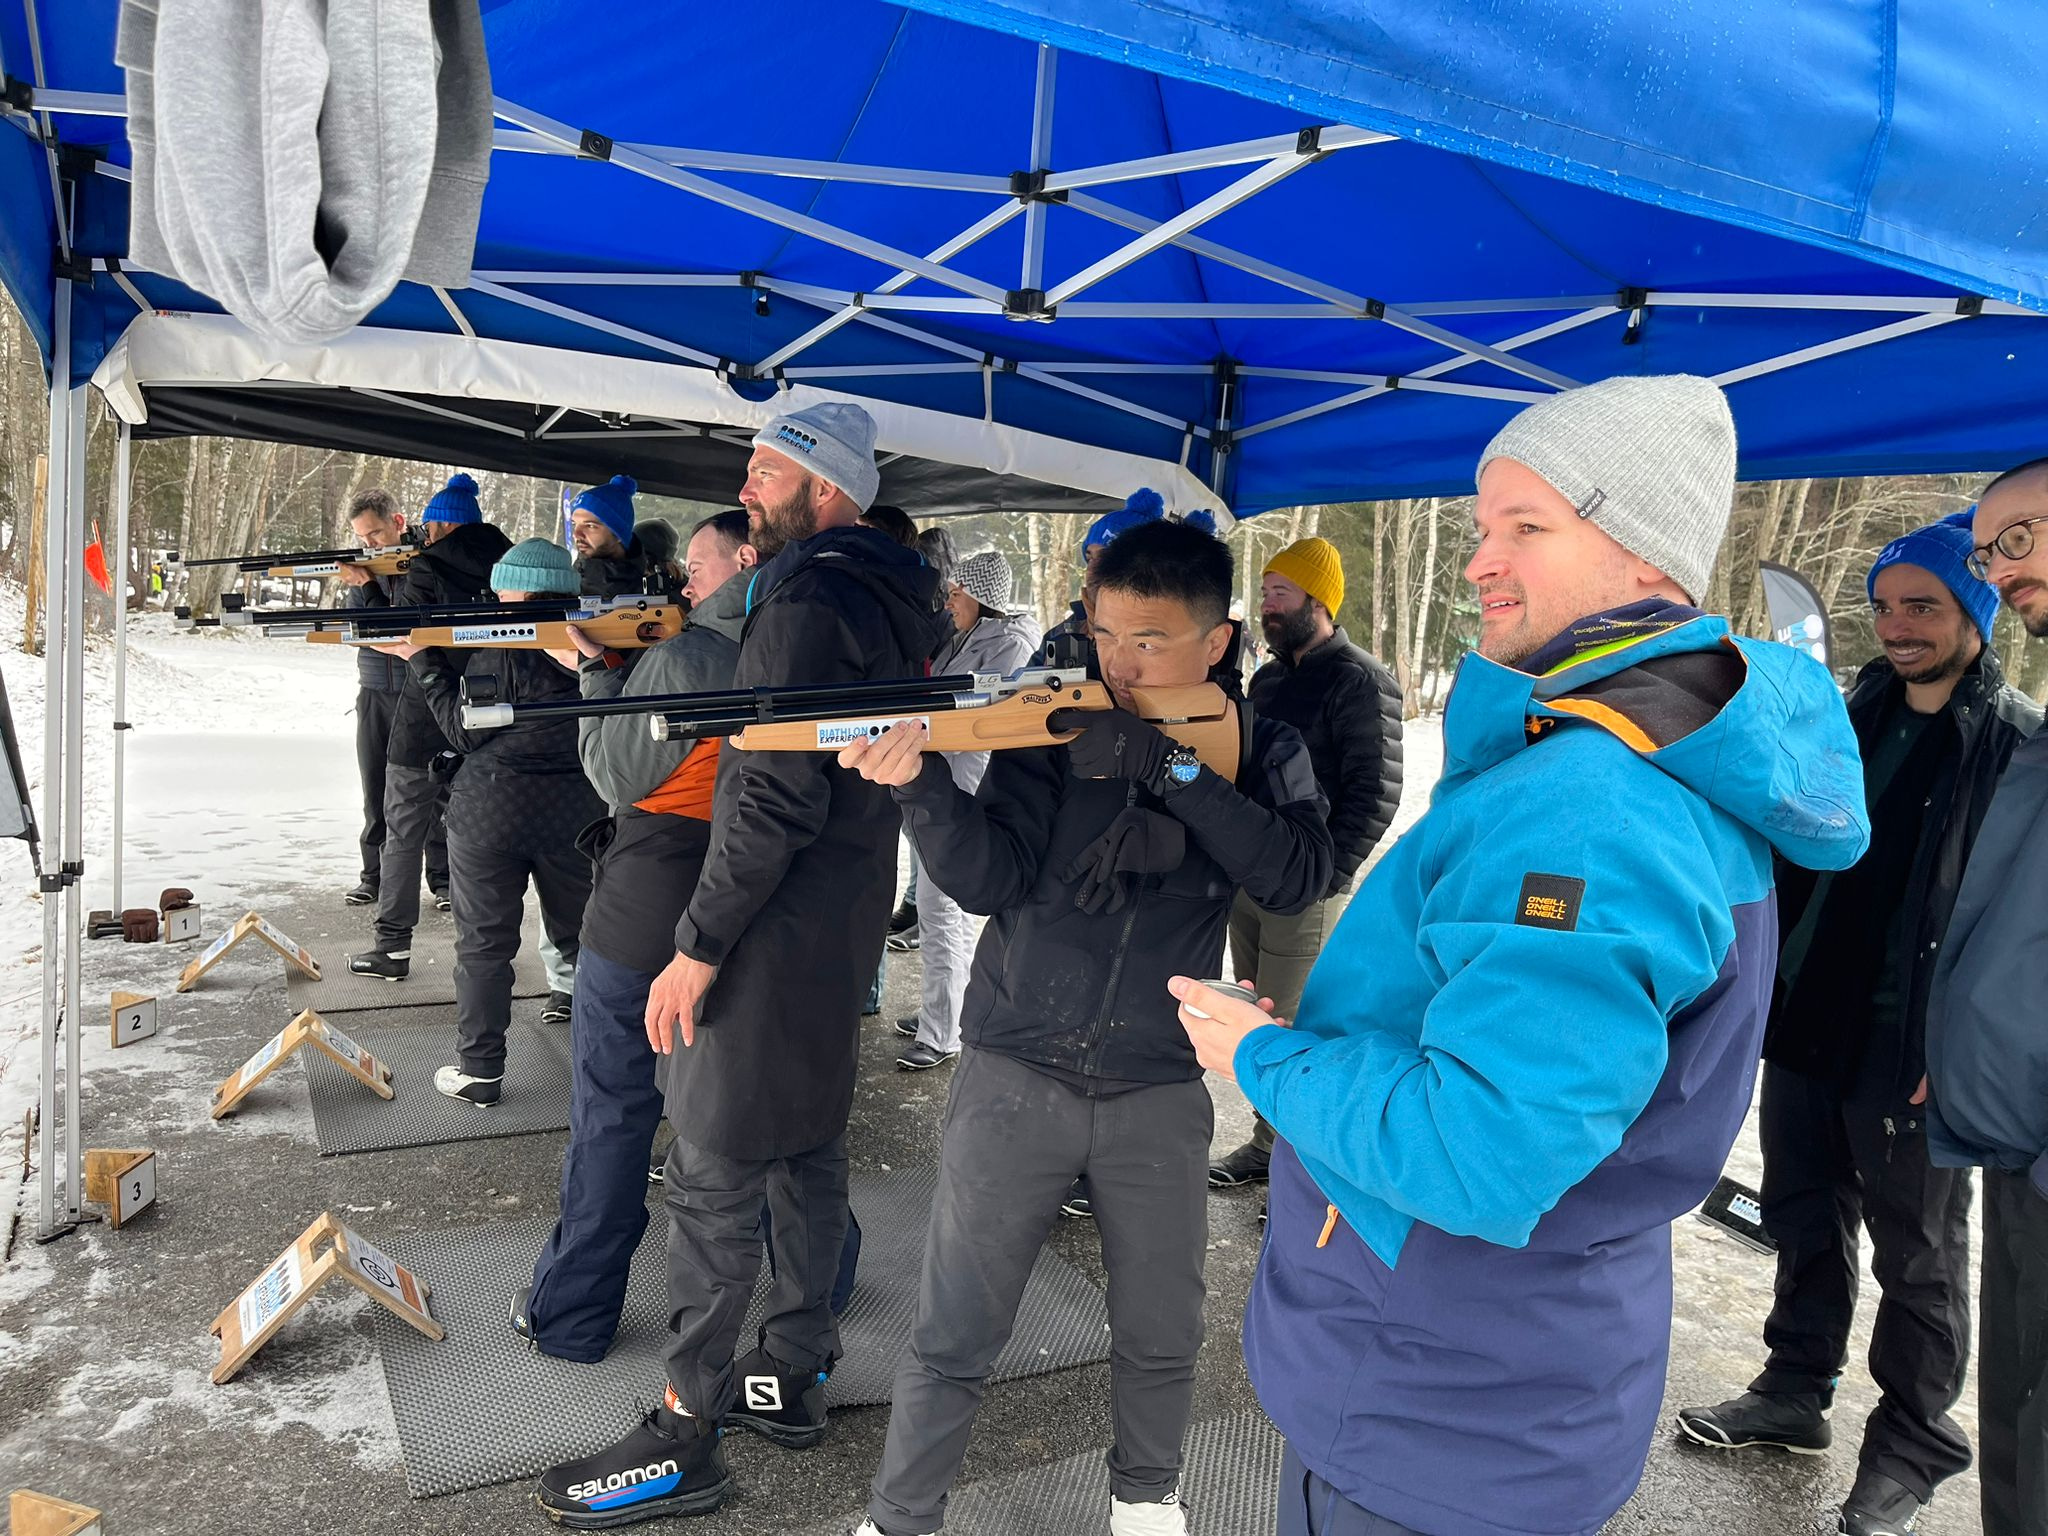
[(1651, 461), (834, 440)]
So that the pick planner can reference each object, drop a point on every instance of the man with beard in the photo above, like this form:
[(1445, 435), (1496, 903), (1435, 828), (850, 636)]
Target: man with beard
[(756, 1018), (1843, 1122), (1347, 707), (611, 558), (1987, 1051)]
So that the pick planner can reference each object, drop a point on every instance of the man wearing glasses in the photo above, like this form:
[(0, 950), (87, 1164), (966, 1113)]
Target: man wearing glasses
[(1987, 1049)]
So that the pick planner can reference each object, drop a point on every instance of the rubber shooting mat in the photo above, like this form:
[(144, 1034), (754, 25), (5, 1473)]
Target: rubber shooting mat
[(1229, 1480), (481, 1407), (347, 1117), (432, 982)]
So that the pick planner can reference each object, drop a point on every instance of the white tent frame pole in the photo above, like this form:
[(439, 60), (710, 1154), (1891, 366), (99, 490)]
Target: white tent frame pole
[(430, 409), (522, 141), (455, 313), (743, 202), (1433, 371), (123, 454), (595, 322), (979, 230), (1035, 209), (1861, 339), (1187, 220), (74, 788), (49, 137), (1216, 156), (59, 941)]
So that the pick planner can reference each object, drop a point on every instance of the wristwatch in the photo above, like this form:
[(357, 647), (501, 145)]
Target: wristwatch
[(1180, 770)]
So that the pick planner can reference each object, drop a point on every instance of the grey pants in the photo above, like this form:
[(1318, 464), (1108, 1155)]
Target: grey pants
[(489, 891), (1015, 1140), (414, 801), (1277, 953), (947, 935), (2012, 1364), (714, 1257)]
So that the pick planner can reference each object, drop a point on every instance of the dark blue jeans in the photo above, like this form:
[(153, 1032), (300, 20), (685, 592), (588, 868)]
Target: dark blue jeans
[(579, 1283)]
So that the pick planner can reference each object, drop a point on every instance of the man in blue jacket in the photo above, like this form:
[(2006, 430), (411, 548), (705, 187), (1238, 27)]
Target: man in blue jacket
[(1533, 1037), (1987, 1049)]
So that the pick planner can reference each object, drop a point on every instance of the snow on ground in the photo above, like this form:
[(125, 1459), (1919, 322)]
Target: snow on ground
[(241, 779)]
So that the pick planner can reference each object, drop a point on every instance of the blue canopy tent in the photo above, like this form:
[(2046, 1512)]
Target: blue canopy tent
[(1253, 255)]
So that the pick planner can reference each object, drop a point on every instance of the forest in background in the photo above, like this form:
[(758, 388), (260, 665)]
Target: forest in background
[(1406, 599)]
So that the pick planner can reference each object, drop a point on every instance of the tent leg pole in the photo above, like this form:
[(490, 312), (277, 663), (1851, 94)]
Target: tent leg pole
[(74, 800), (121, 470), (55, 568)]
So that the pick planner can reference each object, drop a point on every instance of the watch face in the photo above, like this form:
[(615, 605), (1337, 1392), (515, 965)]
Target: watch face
[(1183, 773)]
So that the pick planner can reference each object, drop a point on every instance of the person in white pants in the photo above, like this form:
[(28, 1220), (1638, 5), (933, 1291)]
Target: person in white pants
[(988, 638)]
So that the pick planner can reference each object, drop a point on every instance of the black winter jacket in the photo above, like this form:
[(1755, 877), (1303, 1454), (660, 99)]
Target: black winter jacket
[(1990, 719), (374, 670), (801, 869), (521, 786), (1347, 707), (624, 574), (1086, 995), (454, 569)]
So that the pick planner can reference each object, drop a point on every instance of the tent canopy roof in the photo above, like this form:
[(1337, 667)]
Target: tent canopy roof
[(1300, 254)]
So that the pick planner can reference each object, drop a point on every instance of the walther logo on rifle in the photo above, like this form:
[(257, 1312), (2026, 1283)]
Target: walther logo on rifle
[(844, 733)]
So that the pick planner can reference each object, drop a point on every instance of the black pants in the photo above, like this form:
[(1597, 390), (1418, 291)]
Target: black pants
[(714, 1257), (374, 711), (2012, 1378), (489, 893), (1831, 1164), (415, 814)]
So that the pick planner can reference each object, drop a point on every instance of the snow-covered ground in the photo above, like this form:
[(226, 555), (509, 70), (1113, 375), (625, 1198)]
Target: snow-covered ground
[(241, 780)]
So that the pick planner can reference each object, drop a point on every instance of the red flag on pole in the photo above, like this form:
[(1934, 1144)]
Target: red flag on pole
[(96, 561)]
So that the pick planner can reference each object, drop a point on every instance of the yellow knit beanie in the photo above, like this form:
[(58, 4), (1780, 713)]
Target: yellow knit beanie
[(1314, 566)]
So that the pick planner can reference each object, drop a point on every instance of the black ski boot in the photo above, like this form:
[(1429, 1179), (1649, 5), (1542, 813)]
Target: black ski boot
[(781, 1405), (1878, 1506), (1786, 1421), (671, 1465), (392, 965)]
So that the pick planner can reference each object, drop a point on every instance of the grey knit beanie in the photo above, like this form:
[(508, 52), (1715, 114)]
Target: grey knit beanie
[(1650, 460), (834, 440), (987, 579)]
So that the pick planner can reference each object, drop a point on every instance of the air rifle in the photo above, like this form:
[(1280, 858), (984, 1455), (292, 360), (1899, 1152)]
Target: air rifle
[(961, 712), (312, 562), (540, 623)]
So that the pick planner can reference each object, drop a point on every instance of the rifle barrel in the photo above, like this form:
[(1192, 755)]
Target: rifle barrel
[(703, 714)]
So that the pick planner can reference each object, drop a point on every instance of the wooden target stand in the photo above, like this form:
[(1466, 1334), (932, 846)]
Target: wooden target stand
[(294, 953), (307, 1029), (37, 1514), (123, 1179), (323, 1250)]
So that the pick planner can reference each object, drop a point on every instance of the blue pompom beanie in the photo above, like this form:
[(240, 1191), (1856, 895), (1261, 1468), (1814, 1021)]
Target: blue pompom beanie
[(611, 504), (1943, 550), (1144, 506), (455, 502)]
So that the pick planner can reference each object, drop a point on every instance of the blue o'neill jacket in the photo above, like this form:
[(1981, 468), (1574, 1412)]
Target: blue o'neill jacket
[(1528, 1047)]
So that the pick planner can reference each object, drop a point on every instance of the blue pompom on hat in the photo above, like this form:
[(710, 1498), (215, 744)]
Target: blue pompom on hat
[(1144, 505), (455, 502), (611, 504), (1943, 550)]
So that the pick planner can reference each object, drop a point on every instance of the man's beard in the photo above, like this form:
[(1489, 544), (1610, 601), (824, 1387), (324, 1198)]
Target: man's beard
[(1289, 633), (1942, 666), (784, 523)]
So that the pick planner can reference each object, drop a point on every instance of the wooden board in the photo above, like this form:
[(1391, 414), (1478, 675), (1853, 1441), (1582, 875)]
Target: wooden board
[(294, 953), (323, 1250), (307, 1029), (38, 1514), (123, 1179), (132, 1016)]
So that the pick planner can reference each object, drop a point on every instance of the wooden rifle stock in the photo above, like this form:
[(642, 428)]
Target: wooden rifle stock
[(378, 562), (1202, 717), (619, 629)]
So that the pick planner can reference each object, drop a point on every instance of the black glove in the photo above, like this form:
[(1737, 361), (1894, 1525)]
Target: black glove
[(1113, 744), (1138, 843)]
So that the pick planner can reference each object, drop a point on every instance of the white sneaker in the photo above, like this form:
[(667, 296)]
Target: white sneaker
[(458, 1084), (1163, 1518), (869, 1528)]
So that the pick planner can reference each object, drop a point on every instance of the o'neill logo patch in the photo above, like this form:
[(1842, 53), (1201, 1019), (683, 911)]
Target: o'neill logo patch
[(764, 1393), (1550, 901)]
